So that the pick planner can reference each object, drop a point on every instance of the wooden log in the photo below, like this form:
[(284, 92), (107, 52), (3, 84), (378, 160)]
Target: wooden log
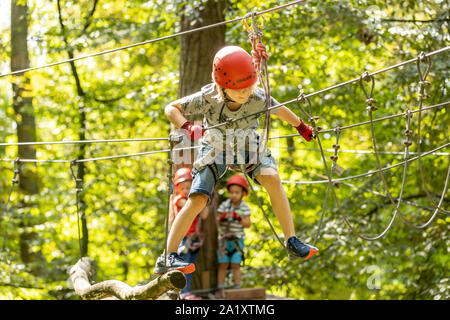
[(82, 271), (245, 293)]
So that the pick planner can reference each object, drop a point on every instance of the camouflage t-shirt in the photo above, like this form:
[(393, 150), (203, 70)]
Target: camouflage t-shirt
[(231, 138)]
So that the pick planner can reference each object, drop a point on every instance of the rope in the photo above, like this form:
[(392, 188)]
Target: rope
[(365, 189), (407, 143), (333, 166), (331, 185), (178, 34), (260, 57), (370, 101), (422, 95), (367, 173)]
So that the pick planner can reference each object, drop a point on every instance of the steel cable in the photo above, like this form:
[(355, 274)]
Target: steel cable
[(422, 95), (17, 72), (194, 147)]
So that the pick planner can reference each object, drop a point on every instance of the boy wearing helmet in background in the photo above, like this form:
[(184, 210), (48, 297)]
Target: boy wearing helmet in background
[(232, 95), (233, 216), (193, 240)]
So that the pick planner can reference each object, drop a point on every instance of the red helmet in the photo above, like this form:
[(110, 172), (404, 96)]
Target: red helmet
[(182, 174), (239, 180), (233, 68)]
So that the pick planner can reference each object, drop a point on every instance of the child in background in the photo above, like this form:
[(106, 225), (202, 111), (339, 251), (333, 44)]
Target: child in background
[(193, 240), (233, 216)]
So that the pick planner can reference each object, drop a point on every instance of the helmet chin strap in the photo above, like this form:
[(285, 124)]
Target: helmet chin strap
[(227, 98)]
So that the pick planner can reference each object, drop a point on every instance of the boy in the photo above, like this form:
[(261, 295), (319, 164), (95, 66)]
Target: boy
[(233, 217), (232, 94)]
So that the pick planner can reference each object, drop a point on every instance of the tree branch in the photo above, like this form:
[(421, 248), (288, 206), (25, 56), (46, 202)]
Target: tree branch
[(81, 272), (89, 17)]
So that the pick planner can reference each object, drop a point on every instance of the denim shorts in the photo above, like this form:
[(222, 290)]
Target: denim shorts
[(205, 180)]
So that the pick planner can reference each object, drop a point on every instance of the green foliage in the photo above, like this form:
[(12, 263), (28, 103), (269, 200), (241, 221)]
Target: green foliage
[(315, 45)]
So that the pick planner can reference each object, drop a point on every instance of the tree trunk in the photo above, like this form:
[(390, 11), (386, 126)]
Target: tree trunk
[(197, 51), (26, 129)]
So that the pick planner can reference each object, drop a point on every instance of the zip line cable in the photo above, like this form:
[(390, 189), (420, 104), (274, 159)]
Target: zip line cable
[(363, 151), (178, 34), (80, 142)]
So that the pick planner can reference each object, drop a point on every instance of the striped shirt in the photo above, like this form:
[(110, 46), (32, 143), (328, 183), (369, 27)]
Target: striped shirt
[(232, 225)]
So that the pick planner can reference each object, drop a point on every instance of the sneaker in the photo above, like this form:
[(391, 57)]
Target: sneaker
[(189, 296), (218, 294), (174, 262), (297, 249)]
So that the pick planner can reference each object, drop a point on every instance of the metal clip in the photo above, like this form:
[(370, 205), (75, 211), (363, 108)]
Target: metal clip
[(367, 77), (422, 58), (16, 171), (371, 108), (254, 28), (371, 101), (175, 138)]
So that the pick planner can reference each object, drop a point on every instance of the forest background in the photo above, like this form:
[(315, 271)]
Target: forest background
[(122, 95)]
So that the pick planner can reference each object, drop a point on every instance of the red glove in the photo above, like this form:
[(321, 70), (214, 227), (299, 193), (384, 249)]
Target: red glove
[(195, 131), (236, 216), (305, 130), (223, 216), (177, 200)]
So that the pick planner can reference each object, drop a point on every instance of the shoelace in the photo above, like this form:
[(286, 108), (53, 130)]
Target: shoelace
[(296, 242)]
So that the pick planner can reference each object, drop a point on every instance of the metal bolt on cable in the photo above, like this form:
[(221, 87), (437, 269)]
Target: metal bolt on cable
[(16, 171), (425, 83), (366, 76), (228, 123), (370, 108), (407, 143), (371, 101)]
